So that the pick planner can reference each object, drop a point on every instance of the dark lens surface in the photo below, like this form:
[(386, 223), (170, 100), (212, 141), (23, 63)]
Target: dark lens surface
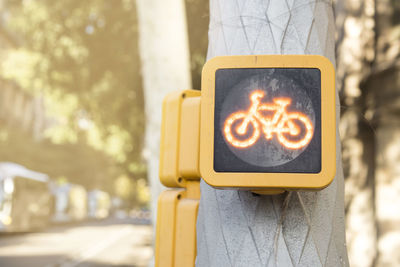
[(267, 120)]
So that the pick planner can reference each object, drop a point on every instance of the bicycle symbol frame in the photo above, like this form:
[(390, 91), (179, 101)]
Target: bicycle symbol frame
[(281, 123)]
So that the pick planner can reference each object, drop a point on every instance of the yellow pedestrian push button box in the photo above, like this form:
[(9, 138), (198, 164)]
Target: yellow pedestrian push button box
[(268, 122), (179, 145)]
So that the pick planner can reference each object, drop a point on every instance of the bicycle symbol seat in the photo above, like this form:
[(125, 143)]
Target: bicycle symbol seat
[(294, 130)]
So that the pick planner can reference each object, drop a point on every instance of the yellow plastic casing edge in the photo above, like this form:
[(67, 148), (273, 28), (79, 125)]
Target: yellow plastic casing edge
[(189, 147)]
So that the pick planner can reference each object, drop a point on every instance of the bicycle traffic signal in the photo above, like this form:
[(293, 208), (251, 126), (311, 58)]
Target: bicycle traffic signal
[(268, 122)]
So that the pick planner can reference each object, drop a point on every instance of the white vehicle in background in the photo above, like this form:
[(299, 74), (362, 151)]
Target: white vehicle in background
[(70, 203), (25, 200), (99, 204)]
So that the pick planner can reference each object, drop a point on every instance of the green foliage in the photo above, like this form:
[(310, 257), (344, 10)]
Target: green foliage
[(76, 163), (82, 56)]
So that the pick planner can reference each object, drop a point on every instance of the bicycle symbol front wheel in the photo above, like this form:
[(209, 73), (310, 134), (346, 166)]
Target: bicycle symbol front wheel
[(237, 125), (294, 123)]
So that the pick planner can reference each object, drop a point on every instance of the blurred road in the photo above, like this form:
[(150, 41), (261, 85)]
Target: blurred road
[(109, 242)]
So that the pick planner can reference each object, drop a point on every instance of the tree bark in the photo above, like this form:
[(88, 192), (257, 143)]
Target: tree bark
[(383, 95), (355, 57), (237, 228)]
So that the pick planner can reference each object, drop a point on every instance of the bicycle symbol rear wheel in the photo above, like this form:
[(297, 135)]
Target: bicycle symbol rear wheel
[(295, 120), (231, 130)]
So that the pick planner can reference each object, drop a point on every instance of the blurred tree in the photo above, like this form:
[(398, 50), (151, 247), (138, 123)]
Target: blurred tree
[(81, 58), (368, 68), (164, 54), (382, 94), (355, 55), (124, 188), (197, 16), (78, 162)]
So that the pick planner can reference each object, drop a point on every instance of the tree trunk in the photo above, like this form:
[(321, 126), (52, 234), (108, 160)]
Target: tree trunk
[(356, 54), (383, 88), (164, 54), (237, 228)]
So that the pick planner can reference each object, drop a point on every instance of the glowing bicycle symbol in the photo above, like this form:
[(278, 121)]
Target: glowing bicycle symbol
[(281, 123)]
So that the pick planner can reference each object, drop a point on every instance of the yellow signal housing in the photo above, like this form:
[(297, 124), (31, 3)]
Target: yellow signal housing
[(185, 248), (172, 130), (179, 167), (165, 228), (185, 234), (248, 101), (176, 226)]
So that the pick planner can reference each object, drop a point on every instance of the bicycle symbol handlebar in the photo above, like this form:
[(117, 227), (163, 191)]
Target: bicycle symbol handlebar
[(281, 123)]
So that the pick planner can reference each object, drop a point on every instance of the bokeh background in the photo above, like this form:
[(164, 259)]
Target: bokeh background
[(72, 104)]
